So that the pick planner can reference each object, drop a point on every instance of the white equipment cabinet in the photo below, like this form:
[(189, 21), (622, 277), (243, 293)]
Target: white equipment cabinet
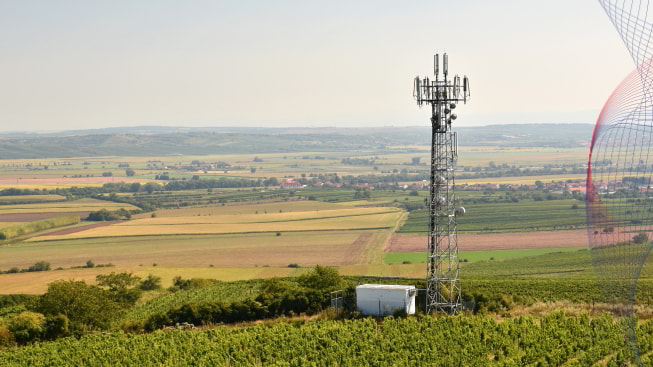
[(383, 299)]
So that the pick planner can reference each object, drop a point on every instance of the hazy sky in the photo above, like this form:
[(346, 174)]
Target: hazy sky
[(91, 64)]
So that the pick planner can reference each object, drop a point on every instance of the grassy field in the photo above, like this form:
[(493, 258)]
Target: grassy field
[(481, 156), (471, 256), (523, 180)]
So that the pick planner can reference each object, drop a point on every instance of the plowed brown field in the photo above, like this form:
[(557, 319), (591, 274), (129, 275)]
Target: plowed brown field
[(498, 241)]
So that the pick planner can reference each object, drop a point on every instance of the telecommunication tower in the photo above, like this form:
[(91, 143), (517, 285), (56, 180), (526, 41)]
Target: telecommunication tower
[(443, 269)]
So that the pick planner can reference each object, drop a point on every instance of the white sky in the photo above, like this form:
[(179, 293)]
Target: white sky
[(90, 64)]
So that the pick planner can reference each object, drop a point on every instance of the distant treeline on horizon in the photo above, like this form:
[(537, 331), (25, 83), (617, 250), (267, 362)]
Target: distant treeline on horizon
[(153, 141)]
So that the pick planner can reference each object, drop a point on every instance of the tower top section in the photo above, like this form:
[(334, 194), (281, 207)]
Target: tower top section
[(441, 92)]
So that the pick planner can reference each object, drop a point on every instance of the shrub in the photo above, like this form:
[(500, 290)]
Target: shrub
[(11, 300), (150, 283), (27, 327), (178, 283), (121, 287), (39, 266), (640, 238), (56, 327), (6, 337), (323, 278), (102, 215), (86, 306), (133, 326)]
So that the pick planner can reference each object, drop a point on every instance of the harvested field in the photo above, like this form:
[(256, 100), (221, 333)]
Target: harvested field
[(498, 241), (263, 218), (248, 208), (37, 282), (86, 205), (68, 181), (31, 217), (345, 219), (229, 250), (9, 224), (30, 198), (394, 270)]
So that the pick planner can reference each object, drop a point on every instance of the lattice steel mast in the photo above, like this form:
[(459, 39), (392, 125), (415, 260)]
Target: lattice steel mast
[(443, 269)]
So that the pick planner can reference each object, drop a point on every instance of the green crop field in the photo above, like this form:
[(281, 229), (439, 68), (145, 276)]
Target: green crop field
[(523, 216), (223, 291), (472, 341), (471, 256)]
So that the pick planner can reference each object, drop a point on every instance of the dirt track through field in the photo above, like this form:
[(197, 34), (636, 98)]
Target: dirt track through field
[(498, 241)]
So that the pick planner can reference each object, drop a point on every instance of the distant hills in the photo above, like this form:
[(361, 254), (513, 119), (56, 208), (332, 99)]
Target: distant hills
[(155, 141)]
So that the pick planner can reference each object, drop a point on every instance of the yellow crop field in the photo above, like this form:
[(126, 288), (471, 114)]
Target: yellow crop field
[(261, 218), (48, 186), (190, 225), (9, 224), (23, 198), (64, 207), (249, 208), (363, 203), (394, 270), (37, 282)]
